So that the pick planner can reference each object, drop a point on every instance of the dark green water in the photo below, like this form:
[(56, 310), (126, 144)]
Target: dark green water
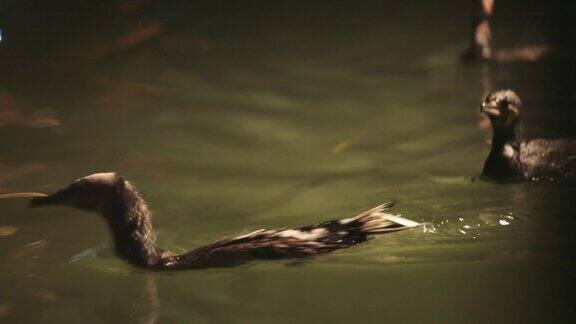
[(233, 117)]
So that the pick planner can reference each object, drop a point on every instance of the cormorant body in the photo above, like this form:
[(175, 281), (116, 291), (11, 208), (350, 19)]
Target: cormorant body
[(511, 157), (130, 221)]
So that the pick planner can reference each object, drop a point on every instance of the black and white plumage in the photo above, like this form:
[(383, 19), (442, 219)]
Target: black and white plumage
[(511, 157), (129, 218)]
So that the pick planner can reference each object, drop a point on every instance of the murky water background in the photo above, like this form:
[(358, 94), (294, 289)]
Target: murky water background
[(231, 117)]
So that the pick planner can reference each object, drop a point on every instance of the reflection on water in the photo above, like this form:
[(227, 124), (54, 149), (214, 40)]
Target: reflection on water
[(232, 117)]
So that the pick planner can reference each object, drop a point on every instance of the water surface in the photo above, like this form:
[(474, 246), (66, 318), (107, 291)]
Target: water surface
[(233, 117)]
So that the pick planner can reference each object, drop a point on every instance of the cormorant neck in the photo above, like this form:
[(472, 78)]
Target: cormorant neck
[(131, 224), (511, 135), (503, 163)]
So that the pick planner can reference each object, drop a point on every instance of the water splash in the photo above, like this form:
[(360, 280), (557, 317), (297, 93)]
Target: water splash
[(429, 228)]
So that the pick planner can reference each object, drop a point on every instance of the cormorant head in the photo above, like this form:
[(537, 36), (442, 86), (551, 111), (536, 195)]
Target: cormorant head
[(92, 193), (502, 107)]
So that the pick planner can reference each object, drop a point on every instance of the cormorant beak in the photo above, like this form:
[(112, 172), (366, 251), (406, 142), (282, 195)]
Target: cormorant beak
[(58, 198), (38, 199), (22, 195), (490, 109)]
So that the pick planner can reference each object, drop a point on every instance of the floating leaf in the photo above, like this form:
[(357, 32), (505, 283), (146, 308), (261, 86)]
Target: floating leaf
[(8, 230), (44, 118), (46, 295), (344, 145), (4, 310), (40, 243)]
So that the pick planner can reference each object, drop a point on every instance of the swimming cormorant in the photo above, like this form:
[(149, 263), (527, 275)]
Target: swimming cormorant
[(511, 157), (129, 218)]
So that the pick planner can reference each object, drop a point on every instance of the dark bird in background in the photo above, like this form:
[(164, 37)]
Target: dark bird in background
[(130, 221), (512, 158)]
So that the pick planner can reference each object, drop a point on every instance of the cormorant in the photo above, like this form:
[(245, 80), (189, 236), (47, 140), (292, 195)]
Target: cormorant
[(512, 158), (130, 221)]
